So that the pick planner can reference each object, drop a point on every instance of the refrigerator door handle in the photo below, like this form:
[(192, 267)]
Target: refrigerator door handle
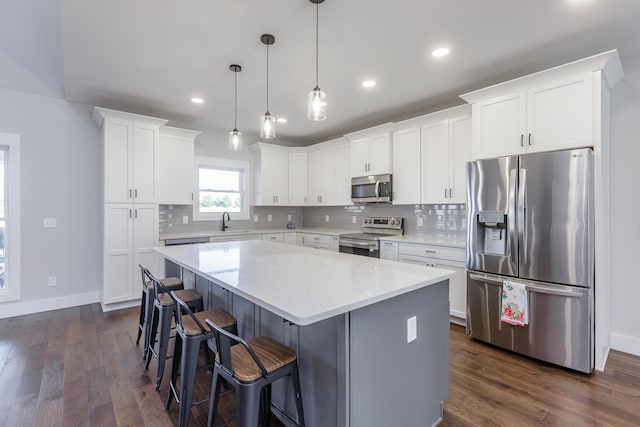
[(522, 214), (530, 287), (510, 217)]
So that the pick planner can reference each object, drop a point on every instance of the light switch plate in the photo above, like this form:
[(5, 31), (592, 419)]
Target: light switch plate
[(50, 223), (269, 217), (255, 218), (52, 281), (412, 329), (289, 218), (326, 218), (354, 219), (185, 219), (419, 221)]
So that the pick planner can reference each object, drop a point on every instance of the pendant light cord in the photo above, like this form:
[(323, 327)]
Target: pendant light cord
[(267, 78), (235, 100), (317, 20)]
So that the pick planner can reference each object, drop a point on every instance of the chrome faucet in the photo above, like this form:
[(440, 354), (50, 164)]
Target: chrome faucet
[(225, 226)]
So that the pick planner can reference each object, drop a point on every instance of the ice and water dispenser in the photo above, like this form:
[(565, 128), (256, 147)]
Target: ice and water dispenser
[(491, 233)]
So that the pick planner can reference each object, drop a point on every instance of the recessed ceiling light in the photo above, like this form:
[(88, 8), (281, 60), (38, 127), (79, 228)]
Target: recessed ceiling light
[(368, 83), (443, 51), (197, 100), (282, 120)]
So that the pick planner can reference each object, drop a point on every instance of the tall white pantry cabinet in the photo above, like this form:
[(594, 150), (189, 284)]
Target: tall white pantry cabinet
[(130, 218)]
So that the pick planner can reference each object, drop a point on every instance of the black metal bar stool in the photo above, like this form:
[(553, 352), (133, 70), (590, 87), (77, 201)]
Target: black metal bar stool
[(164, 307), (146, 304), (191, 335), (251, 366)]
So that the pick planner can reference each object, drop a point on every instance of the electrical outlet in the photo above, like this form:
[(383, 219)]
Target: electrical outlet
[(412, 329), (52, 281), (255, 218), (185, 219), (419, 221), (354, 219), (289, 218), (326, 218), (49, 223), (269, 217)]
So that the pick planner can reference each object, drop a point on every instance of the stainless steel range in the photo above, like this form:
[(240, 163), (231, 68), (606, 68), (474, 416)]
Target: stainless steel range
[(367, 243)]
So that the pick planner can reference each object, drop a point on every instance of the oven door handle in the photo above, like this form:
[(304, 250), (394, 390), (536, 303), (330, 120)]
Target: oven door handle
[(356, 244)]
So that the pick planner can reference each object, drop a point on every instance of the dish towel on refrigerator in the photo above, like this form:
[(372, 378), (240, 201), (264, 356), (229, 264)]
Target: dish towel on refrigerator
[(514, 304)]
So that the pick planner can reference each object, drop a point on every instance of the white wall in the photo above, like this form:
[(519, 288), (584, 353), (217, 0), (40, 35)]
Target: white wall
[(625, 208), (59, 178)]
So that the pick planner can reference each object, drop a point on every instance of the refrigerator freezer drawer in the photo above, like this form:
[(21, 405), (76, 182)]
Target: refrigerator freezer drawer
[(559, 329)]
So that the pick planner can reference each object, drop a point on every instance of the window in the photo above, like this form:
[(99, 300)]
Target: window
[(9, 217), (221, 186)]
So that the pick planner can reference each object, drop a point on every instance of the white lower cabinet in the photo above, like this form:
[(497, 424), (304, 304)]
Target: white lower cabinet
[(316, 241), (290, 239), (389, 250), (130, 233), (436, 256), (274, 237)]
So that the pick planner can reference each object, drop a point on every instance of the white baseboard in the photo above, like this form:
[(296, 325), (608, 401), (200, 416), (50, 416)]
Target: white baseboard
[(625, 344), (20, 308), (120, 305)]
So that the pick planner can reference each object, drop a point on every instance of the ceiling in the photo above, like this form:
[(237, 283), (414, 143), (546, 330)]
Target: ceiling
[(151, 56)]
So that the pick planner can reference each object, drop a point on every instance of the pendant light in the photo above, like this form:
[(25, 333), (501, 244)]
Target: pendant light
[(317, 99), (267, 122), (235, 137)]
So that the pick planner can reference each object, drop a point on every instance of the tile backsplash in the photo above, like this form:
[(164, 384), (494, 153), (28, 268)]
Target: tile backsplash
[(437, 220), (171, 219)]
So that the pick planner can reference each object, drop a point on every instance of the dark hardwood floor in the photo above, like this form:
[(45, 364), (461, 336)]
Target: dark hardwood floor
[(79, 366)]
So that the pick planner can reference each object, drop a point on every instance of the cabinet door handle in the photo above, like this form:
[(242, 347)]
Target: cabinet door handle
[(522, 140), (130, 193), (429, 251), (191, 196), (129, 213), (445, 193), (451, 193), (305, 199), (135, 193), (529, 140), (135, 213)]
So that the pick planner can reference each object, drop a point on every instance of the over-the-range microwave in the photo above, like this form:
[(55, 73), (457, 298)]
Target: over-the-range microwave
[(371, 189)]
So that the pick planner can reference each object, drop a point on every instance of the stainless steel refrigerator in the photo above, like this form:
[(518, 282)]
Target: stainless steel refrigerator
[(530, 221)]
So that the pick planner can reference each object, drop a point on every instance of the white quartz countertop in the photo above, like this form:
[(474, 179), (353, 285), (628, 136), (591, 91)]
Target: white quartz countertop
[(427, 239), (232, 232), (302, 285)]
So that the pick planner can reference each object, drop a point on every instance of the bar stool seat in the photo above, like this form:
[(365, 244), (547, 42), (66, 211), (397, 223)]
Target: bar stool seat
[(192, 334), (146, 305), (218, 316), (186, 295), (271, 353)]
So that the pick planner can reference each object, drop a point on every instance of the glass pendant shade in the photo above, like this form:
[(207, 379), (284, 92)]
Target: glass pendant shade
[(267, 126), (317, 105), (235, 140)]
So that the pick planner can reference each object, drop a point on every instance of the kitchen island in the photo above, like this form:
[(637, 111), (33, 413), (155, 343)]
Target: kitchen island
[(349, 318)]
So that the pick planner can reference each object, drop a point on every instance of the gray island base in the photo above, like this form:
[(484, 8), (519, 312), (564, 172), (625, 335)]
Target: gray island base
[(348, 317)]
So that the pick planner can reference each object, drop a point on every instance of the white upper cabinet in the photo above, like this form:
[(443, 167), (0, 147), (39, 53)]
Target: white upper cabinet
[(548, 117), (406, 166), (298, 179), (271, 175), (550, 110), (342, 173), (129, 143), (321, 175), (446, 148), (371, 151), (174, 166)]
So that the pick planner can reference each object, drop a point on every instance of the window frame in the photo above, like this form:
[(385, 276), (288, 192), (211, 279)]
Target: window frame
[(217, 163), (12, 290)]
